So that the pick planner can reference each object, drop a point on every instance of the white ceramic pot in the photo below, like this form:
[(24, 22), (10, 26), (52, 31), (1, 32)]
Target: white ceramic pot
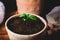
[(15, 36)]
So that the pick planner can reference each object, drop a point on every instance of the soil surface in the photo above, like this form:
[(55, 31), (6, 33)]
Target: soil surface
[(25, 27)]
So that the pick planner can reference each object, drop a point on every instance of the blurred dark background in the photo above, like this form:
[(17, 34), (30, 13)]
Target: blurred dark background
[(47, 6), (10, 6)]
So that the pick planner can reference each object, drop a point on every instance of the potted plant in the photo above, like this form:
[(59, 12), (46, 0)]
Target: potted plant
[(25, 26)]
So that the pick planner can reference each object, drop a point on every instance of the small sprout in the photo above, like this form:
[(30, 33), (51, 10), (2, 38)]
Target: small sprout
[(24, 16), (27, 16), (24, 19)]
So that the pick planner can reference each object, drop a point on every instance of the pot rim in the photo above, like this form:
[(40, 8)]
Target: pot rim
[(41, 18)]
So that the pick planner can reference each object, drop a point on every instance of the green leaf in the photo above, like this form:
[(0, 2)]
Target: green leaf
[(23, 15), (32, 17)]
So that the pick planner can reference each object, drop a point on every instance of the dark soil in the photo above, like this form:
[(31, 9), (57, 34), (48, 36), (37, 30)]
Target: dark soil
[(25, 27)]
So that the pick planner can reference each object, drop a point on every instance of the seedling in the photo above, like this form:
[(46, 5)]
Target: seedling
[(27, 16)]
